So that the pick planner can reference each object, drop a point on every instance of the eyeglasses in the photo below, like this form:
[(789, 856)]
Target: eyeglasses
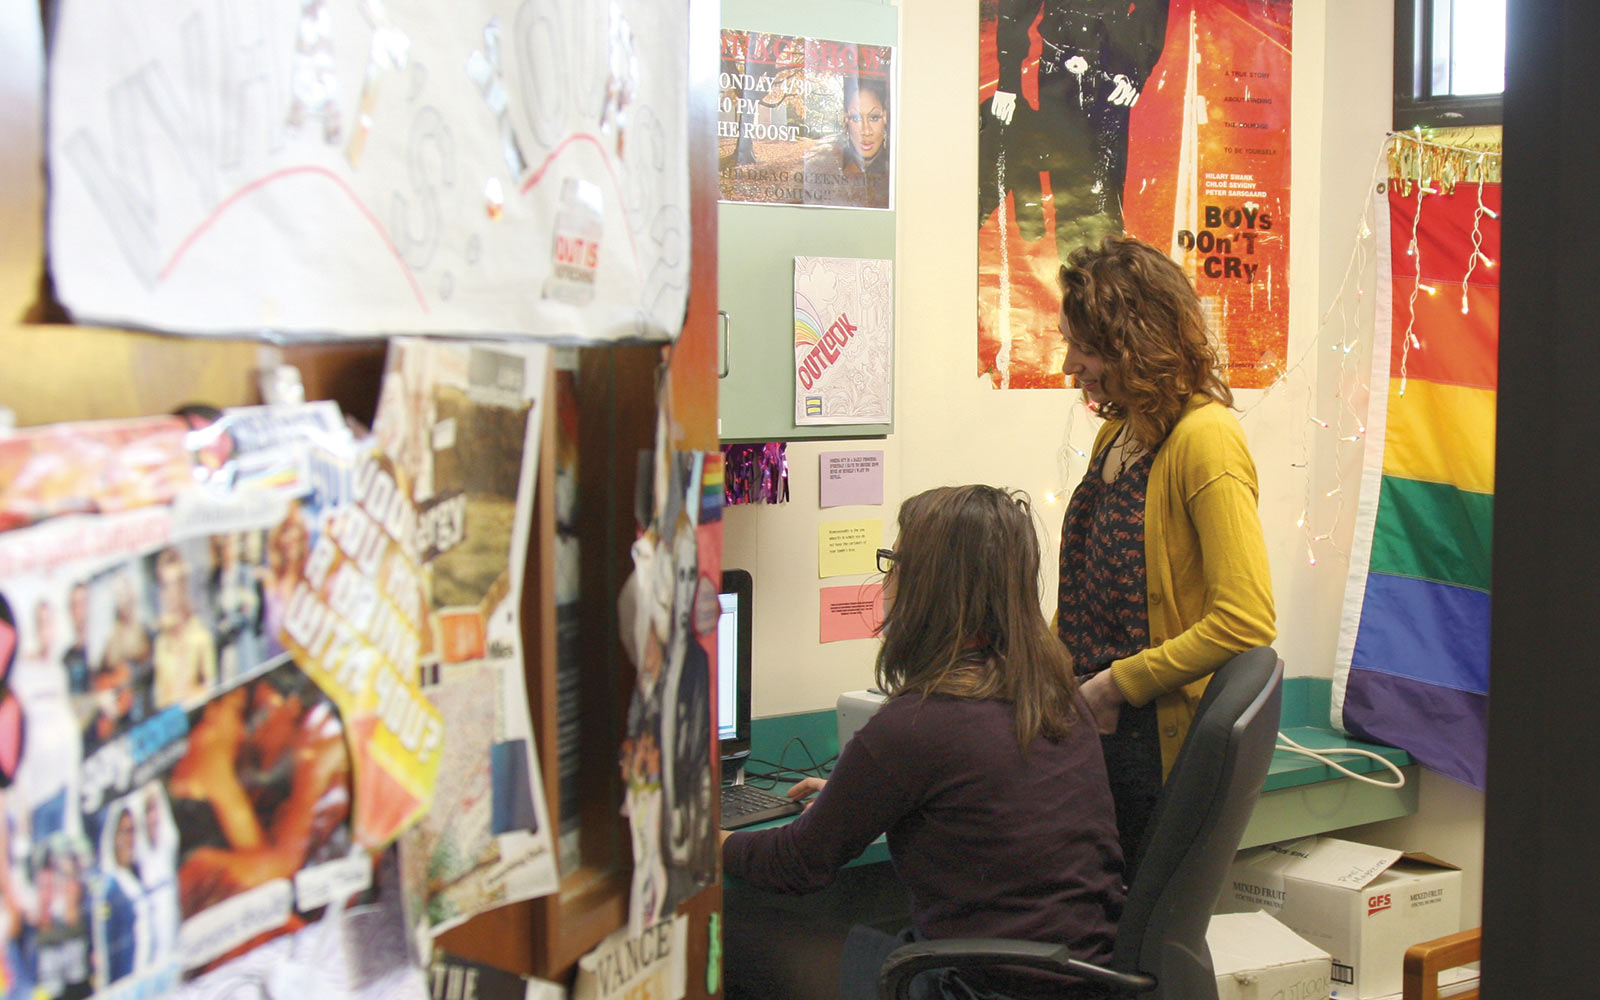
[(876, 118), (886, 558)]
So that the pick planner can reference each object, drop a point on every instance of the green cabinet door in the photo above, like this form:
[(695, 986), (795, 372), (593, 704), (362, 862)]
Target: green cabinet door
[(757, 245)]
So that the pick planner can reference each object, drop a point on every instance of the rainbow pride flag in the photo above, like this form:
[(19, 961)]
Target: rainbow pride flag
[(1412, 667)]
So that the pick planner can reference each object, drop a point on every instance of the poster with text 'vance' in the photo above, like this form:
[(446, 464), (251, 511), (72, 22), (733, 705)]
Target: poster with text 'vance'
[(843, 341), (310, 167)]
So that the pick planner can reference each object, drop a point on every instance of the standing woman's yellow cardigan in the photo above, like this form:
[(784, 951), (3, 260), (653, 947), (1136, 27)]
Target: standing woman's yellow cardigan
[(1208, 586)]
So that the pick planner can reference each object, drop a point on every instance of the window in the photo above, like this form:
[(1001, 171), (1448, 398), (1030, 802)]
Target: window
[(1449, 62)]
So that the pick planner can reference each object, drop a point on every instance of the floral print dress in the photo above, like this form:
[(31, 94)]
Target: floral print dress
[(1103, 615)]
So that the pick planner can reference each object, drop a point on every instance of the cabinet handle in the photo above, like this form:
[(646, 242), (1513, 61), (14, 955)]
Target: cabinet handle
[(722, 332)]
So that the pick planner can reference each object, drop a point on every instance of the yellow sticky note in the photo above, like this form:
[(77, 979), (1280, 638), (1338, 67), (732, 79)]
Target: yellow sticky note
[(848, 547)]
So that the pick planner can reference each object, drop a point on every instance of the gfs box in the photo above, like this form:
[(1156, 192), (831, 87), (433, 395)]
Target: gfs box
[(1361, 904)]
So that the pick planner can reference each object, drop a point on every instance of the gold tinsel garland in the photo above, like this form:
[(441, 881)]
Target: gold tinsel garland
[(1444, 156)]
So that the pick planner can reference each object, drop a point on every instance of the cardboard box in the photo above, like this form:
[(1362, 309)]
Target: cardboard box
[(1361, 904), (1257, 958)]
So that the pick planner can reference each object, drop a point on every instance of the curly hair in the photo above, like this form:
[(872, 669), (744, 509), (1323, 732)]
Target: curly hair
[(1128, 304), (965, 618)]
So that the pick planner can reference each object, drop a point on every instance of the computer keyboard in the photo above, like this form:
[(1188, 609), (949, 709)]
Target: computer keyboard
[(743, 805)]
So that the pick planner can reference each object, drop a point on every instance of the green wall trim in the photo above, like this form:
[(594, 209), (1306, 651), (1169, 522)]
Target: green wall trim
[(778, 739)]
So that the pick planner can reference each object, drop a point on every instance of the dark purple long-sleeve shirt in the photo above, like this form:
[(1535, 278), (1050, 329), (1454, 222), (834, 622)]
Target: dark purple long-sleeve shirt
[(987, 843)]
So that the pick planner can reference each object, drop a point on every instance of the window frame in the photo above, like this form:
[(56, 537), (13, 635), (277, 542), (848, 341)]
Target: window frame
[(1414, 101)]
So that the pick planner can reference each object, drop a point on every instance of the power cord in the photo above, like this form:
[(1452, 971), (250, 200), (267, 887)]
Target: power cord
[(780, 771), (1325, 756)]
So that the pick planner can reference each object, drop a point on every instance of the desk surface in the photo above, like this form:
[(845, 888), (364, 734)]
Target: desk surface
[(1300, 797)]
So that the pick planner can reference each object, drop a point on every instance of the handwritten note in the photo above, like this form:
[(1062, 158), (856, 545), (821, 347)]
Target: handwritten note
[(851, 477), (851, 612), (848, 547)]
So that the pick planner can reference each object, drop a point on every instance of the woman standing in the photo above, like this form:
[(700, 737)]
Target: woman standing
[(980, 765), (1163, 565)]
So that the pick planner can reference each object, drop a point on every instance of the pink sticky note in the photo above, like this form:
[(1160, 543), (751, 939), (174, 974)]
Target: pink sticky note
[(850, 477), (851, 612)]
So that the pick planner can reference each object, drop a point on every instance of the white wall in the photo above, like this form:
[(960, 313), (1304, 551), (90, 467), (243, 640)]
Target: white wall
[(952, 428)]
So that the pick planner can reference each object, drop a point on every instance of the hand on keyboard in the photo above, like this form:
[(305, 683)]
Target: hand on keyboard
[(802, 790), (743, 805)]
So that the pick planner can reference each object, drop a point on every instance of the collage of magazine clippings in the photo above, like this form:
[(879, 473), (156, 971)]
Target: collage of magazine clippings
[(233, 654), (462, 422), (669, 612)]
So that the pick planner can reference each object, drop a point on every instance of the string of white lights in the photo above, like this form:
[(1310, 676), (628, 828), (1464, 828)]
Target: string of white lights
[(1477, 241), (1425, 187), (1348, 316), (1345, 314)]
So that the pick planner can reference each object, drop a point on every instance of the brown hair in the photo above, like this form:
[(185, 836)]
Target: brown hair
[(965, 618), (1128, 304)]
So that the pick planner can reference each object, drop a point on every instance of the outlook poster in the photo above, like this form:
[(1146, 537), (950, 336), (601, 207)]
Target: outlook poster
[(1165, 119)]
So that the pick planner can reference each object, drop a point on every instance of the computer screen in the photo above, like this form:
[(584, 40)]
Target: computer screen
[(733, 665)]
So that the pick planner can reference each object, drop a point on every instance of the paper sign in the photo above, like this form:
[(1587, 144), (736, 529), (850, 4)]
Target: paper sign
[(804, 121), (843, 341), (851, 612), (651, 964), (848, 547), (851, 477)]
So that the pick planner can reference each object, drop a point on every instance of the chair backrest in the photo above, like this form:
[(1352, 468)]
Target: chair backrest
[(1196, 826)]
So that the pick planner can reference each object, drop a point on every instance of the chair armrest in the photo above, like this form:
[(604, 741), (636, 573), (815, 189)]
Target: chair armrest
[(905, 962), (1424, 962)]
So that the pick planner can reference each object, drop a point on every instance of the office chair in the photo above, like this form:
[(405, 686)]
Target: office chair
[(1194, 831)]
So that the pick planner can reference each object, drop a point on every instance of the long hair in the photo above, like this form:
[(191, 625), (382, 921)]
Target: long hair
[(1131, 306), (964, 617)]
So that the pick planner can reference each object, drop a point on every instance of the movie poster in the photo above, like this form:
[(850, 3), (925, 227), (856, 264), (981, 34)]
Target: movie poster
[(843, 341), (1165, 119), (804, 121)]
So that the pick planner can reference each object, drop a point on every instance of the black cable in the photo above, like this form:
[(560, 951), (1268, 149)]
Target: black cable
[(780, 771)]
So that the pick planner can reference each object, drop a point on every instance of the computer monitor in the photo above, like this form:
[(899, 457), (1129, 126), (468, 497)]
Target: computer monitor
[(733, 668)]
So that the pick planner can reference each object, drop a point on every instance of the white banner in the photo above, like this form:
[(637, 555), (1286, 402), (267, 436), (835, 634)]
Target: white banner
[(305, 167)]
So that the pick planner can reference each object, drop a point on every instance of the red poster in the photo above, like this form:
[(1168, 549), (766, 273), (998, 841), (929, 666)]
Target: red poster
[(1167, 119)]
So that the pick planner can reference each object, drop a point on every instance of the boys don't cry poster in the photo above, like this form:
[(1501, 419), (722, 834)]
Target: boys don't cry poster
[(1164, 119)]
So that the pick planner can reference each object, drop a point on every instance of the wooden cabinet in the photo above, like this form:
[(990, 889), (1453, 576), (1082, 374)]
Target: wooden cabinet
[(72, 373)]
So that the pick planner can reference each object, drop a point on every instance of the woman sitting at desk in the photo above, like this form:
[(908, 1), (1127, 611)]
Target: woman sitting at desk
[(982, 766)]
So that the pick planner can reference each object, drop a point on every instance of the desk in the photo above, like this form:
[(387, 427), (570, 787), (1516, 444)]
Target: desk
[(1301, 797), (779, 945)]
